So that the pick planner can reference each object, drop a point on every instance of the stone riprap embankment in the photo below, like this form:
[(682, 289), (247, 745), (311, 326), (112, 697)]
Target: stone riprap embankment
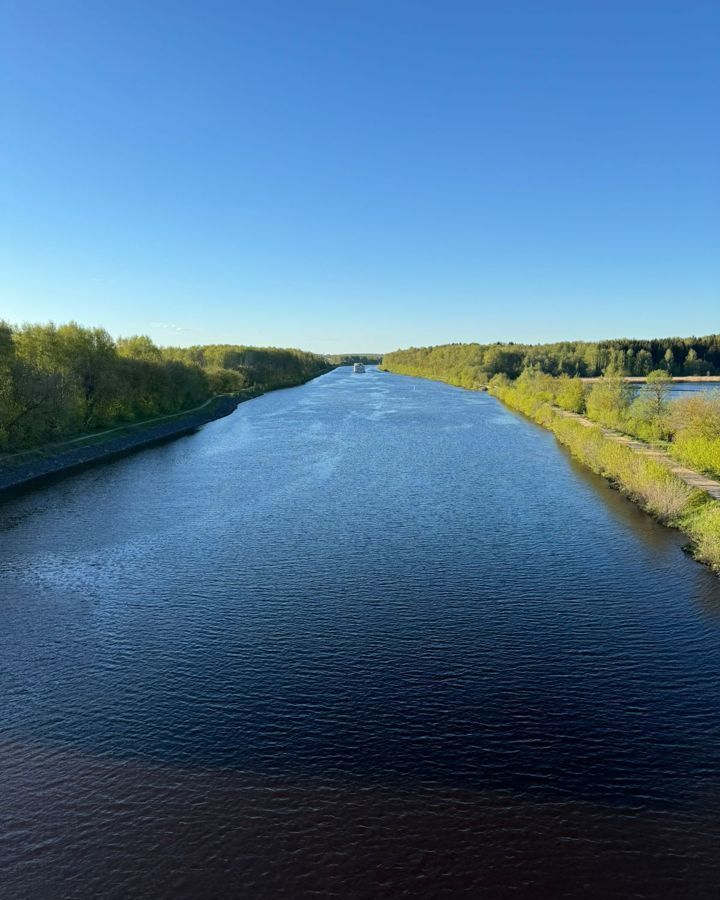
[(25, 469)]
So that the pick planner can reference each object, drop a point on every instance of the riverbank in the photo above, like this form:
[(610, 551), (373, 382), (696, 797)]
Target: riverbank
[(678, 497), (677, 379), (656, 451), (21, 470)]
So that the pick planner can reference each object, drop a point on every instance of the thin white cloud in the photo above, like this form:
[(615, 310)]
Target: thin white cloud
[(169, 326)]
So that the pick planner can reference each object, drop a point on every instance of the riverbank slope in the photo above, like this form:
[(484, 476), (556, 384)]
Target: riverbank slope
[(21, 470), (675, 495)]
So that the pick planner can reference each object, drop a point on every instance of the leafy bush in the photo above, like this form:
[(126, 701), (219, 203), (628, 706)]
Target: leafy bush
[(608, 401), (702, 523), (695, 423), (570, 394), (697, 452)]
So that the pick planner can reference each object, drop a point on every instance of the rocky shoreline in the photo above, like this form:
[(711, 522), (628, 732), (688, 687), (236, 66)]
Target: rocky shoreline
[(136, 437)]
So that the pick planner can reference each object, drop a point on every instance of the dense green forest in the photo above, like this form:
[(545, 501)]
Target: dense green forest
[(469, 365), (347, 359), (59, 381)]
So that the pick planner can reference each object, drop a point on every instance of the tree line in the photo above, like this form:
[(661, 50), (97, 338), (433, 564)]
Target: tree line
[(469, 365), (347, 359), (61, 381)]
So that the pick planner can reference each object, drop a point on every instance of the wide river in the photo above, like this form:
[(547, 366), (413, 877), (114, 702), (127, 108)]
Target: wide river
[(373, 637)]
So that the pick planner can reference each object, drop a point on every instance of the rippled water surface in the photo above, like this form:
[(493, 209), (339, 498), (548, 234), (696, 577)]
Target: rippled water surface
[(370, 637)]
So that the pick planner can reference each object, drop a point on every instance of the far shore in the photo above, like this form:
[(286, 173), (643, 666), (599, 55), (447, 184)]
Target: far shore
[(680, 379)]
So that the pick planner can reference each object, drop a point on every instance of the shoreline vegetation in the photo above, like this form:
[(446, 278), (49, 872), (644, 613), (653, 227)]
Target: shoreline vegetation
[(635, 437), (59, 382), (70, 396), (348, 359), (471, 365), (25, 469), (676, 379)]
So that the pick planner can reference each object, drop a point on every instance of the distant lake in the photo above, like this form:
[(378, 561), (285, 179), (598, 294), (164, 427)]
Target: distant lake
[(678, 390), (683, 388), (373, 637)]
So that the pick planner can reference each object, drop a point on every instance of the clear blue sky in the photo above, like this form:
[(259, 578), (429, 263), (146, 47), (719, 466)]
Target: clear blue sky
[(361, 174)]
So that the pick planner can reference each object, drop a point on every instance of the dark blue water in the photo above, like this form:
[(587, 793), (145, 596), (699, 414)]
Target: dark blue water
[(371, 637)]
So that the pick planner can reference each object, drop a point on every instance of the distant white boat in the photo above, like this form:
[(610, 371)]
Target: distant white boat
[(358, 367)]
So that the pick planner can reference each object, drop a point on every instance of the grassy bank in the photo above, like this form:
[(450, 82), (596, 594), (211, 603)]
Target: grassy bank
[(645, 481)]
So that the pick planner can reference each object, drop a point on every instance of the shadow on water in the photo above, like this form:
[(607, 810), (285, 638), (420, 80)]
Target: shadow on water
[(172, 833)]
